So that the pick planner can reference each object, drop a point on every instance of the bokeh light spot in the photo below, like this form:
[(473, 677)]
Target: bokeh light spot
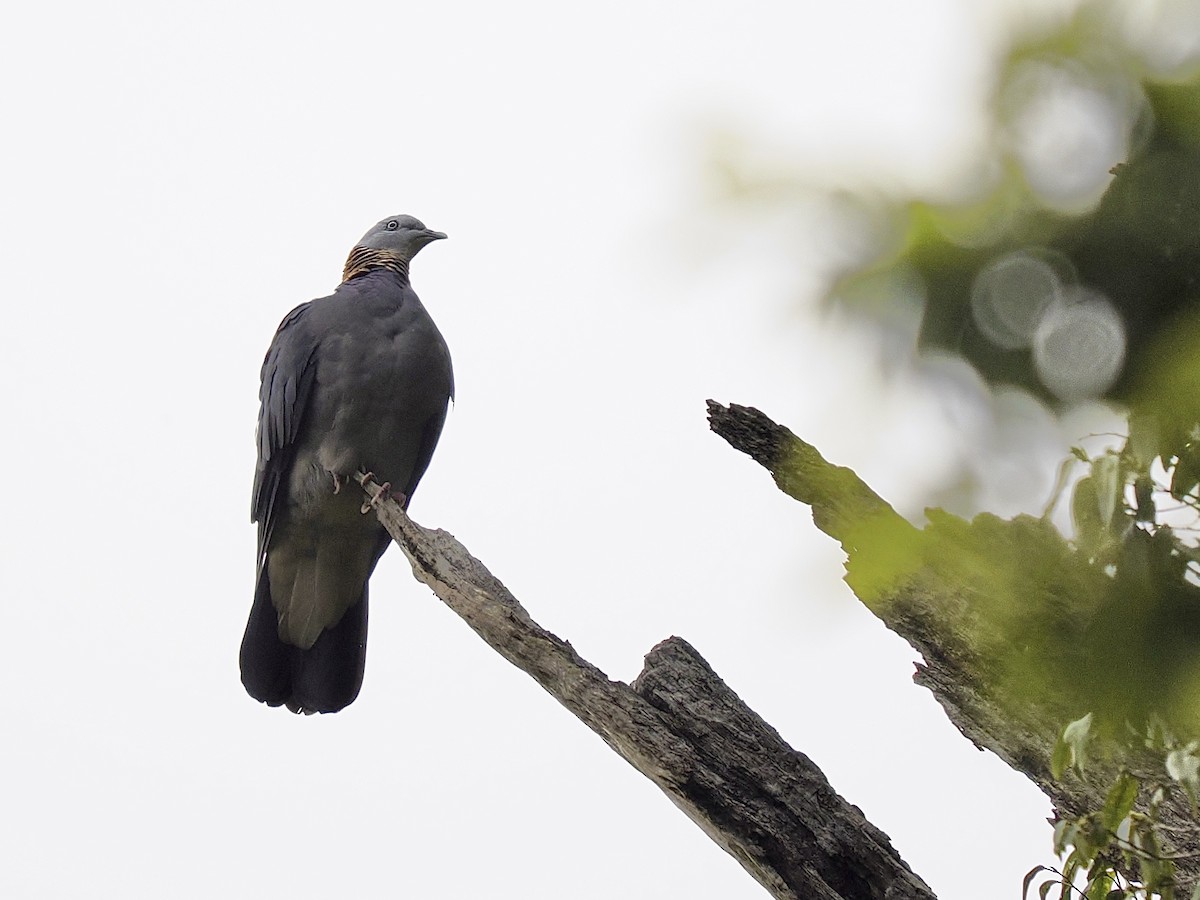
[(1166, 33), (1010, 296), (1079, 347), (1067, 128)]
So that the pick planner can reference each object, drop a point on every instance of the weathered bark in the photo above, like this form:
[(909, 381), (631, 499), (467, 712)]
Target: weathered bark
[(679, 725), (939, 616)]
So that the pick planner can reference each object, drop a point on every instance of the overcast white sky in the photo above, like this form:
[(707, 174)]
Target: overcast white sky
[(177, 178)]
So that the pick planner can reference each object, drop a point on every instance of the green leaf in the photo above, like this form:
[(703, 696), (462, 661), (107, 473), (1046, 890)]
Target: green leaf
[(1064, 835), (1158, 735), (1157, 798), (1077, 732), (1156, 872), (1123, 828), (1143, 438), (1106, 474), (1099, 884), (1143, 493), (1185, 478), (1081, 857), (1120, 800), (1085, 513), (1184, 767), (1070, 750), (1060, 484), (1028, 880)]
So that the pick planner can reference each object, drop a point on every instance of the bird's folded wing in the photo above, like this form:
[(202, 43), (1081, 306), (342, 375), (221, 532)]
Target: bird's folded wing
[(288, 372)]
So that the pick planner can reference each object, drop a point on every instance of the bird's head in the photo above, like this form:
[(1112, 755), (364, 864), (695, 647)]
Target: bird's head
[(402, 235), (390, 244)]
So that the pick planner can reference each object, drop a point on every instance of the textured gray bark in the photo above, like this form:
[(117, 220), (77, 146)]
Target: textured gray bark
[(934, 615), (679, 725)]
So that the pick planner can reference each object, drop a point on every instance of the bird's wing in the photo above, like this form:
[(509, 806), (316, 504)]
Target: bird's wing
[(432, 430), (288, 372), (429, 438)]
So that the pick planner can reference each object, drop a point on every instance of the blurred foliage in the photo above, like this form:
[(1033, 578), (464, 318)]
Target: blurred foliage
[(1138, 249), (1074, 284), (1108, 623), (1074, 274)]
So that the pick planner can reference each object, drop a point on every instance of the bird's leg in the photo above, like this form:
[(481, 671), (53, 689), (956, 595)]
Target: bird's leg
[(338, 481), (382, 492)]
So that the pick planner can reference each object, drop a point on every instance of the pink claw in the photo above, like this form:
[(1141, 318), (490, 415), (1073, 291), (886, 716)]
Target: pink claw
[(382, 492)]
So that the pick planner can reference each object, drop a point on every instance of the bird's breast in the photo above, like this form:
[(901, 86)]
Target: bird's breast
[(379, 383)]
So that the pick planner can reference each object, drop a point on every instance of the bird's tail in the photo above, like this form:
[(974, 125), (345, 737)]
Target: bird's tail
[(324, 678)]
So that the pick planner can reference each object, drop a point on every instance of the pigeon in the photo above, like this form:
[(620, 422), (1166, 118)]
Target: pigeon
[(359, 381)]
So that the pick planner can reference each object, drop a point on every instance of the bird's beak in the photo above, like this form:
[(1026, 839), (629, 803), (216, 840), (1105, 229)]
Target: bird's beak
[(435, 235)]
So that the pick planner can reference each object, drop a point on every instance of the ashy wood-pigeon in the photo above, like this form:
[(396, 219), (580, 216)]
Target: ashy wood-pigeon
[(358, 380)]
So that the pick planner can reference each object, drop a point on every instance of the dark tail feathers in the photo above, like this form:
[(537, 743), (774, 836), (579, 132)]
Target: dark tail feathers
[(324, 678)]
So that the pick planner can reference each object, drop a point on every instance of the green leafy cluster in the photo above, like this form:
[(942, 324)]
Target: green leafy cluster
[(1101, 847), (1109, 621), (1143, 640)]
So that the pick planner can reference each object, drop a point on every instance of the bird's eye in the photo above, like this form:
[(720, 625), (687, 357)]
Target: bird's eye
[(393, 225)]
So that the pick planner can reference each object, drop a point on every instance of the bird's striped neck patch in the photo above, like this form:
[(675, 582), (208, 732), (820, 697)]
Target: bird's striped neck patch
[(365, 259)]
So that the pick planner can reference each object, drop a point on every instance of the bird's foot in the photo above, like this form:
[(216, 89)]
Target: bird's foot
[(382, 492)]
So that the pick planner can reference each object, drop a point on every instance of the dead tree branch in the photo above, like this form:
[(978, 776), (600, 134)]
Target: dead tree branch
[(679, 725)]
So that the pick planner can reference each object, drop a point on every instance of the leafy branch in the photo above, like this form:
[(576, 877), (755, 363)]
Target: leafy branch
[(1021, 630)]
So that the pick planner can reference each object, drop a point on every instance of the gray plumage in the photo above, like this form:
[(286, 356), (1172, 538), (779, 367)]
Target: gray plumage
[(358, 380)]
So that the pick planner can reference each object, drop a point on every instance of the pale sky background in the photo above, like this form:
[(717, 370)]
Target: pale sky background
[(177, 178)]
